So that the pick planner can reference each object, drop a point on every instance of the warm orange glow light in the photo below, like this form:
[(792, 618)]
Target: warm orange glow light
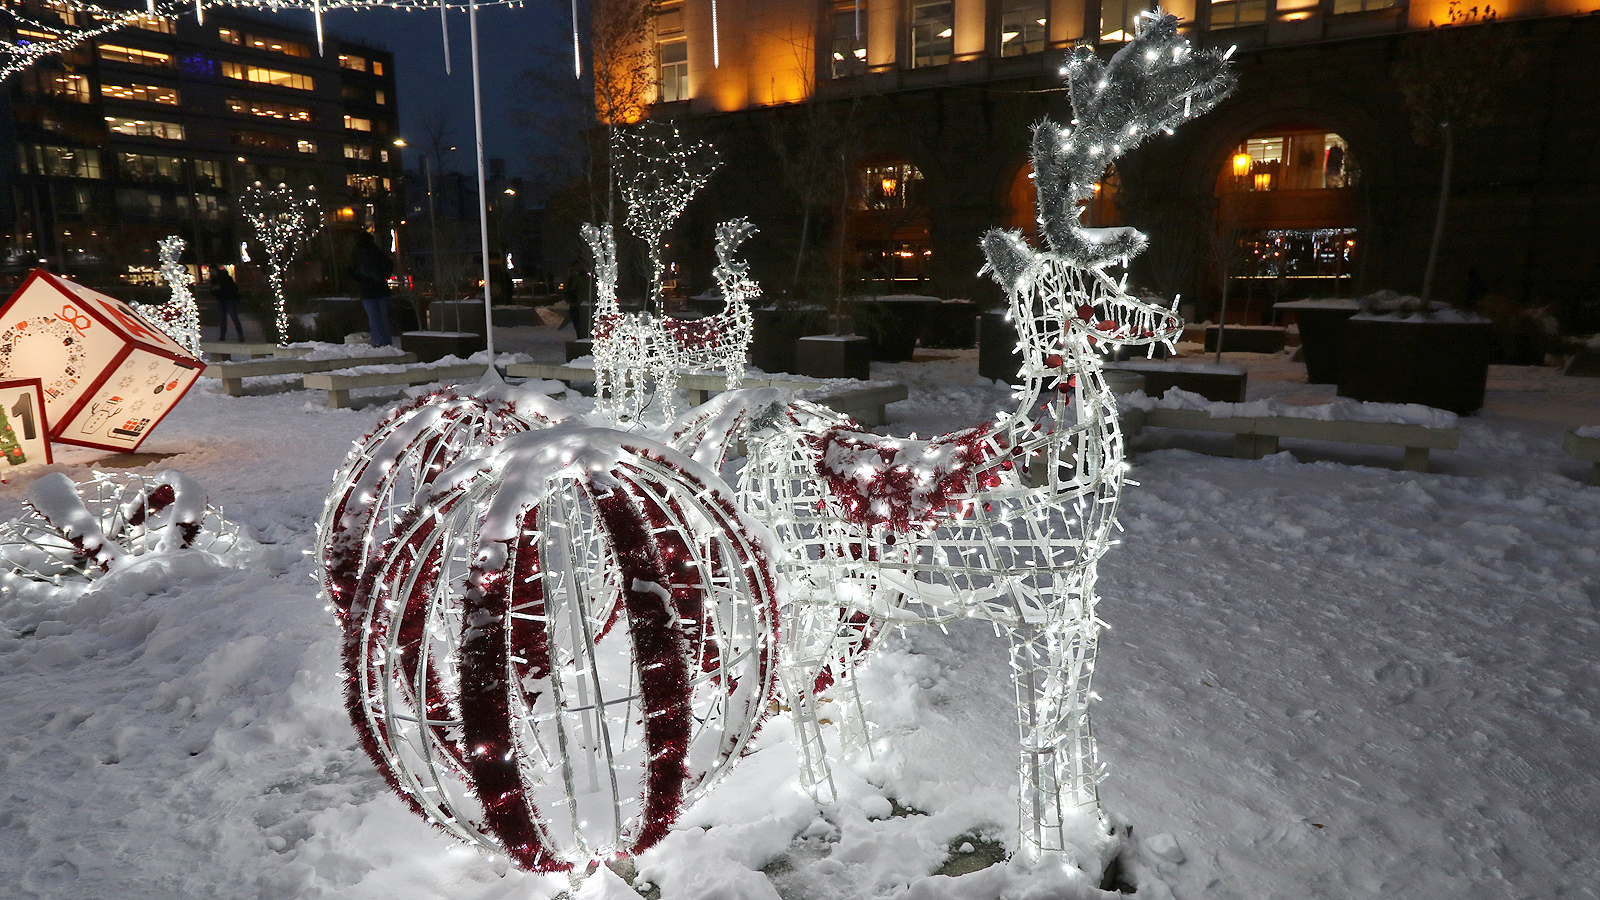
[(890, 185), (1264, 181), (1241, 165)]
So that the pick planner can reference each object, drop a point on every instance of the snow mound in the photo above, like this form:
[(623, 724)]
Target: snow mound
[(1341, 409)]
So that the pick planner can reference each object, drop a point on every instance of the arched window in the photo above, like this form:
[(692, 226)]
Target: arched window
[(890, 185), (1288, 160)]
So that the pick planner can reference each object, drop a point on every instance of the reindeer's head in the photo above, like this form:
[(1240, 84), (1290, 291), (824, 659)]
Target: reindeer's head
[(733, 275), (1153, 84)]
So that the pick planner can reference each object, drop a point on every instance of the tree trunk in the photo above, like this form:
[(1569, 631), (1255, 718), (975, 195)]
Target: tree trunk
[(1438, 219)]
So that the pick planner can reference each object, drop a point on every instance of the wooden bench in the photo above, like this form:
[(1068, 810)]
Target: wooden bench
[(1584, 449), (233, 374), (340, 384), (1257, 436), (867, 405), (251, 351)]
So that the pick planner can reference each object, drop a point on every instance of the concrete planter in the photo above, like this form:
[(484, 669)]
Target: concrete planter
[(834, 356), (893, 324), (1440, 364), (430, 346), (1247, 339), (952, 325), (772, 342), (998, 357), (1321, 335)]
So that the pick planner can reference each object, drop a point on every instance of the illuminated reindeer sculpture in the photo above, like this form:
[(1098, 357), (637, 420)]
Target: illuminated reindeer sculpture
[(1003, 522), (638, 356)]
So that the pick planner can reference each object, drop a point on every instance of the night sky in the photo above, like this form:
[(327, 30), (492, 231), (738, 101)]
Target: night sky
[(510, 41)]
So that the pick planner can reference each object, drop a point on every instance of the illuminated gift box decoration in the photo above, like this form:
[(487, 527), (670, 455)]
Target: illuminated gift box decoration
[(24, 431), (109, 376)]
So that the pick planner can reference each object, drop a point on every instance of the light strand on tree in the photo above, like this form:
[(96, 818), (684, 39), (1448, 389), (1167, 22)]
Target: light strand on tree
[(662, 171), (282, 219)]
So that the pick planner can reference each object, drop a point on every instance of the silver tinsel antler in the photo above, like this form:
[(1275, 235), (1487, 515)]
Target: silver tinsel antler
[(1154, 83)]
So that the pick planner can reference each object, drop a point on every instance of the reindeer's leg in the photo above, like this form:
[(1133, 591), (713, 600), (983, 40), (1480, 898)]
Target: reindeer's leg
[(1051, 663)]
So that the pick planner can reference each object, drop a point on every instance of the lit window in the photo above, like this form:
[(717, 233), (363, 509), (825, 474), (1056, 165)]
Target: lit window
[(274, 77), (1119, 19), (266, 109), (1349, 6), (674, 56), (170, 131), (383, 155), (346, 214), (377, 67), (1299, 161), (61, 162), (271, 141), (354, 63), (134, 55), (1233, 13), (150, 169), (158, 24), (363, 185), (62, 85), (144, 93), (1024, 26), (849, 42), (891, 186), (208, 173), (357, 151), (933, 25), (378, 98), (354, 123), (69, 15), (269, 44)]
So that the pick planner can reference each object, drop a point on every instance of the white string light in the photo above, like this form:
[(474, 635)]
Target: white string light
[(1004, 522), (179, 317), (282, 219), (639, 356)]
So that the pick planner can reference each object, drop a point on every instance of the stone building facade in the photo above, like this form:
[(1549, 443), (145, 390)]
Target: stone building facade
[(1306, 182)]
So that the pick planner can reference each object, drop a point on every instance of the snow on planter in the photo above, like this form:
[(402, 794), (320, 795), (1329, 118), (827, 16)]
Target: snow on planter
[(109, 375)]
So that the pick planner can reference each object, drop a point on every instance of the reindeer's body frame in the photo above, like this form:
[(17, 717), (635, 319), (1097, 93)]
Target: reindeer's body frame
[(638, 356), (1007, 522)]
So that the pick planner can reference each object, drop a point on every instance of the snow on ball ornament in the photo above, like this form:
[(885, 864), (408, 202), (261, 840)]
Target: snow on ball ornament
[(109, 375), (568, 640), (413, 443)]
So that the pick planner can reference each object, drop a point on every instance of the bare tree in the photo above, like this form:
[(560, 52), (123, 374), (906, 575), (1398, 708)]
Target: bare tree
[(1454, 78), (623, 53)]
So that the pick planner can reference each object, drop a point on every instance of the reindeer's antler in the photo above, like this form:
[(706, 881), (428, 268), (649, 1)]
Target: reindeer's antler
[(603, 247), (1152, 84), (732, 274)]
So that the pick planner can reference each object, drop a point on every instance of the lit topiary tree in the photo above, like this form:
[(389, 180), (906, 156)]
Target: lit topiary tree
[(282, 219)]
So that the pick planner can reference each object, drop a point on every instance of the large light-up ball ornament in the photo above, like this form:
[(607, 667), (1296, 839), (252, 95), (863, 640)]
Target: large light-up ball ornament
[(569, 638), (386, 470)]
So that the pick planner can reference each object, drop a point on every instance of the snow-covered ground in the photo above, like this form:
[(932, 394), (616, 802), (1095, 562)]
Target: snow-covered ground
[(1323, 679)]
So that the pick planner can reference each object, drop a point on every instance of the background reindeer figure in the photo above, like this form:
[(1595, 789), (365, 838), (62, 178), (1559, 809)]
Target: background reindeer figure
[(638, 356), (1006, 521)]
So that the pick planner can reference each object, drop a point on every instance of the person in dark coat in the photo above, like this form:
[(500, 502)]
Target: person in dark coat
[(371, 268), (225, 291)]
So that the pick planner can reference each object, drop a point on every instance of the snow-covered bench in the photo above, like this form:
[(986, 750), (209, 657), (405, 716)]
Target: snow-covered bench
[(251, 351), (1584, 446), (1258, 426), (233, 374), (865, 403), (1221, 383), (340, 384)]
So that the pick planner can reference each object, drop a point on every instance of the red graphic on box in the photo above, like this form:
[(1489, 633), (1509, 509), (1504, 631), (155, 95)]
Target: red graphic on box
[(108, 376)]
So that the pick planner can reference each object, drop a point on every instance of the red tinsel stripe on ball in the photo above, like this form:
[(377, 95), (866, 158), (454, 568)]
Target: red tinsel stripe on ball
[(492, 752), (658, 652)]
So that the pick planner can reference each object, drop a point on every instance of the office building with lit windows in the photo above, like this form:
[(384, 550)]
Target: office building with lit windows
[(1307, 181), (155, 129)]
